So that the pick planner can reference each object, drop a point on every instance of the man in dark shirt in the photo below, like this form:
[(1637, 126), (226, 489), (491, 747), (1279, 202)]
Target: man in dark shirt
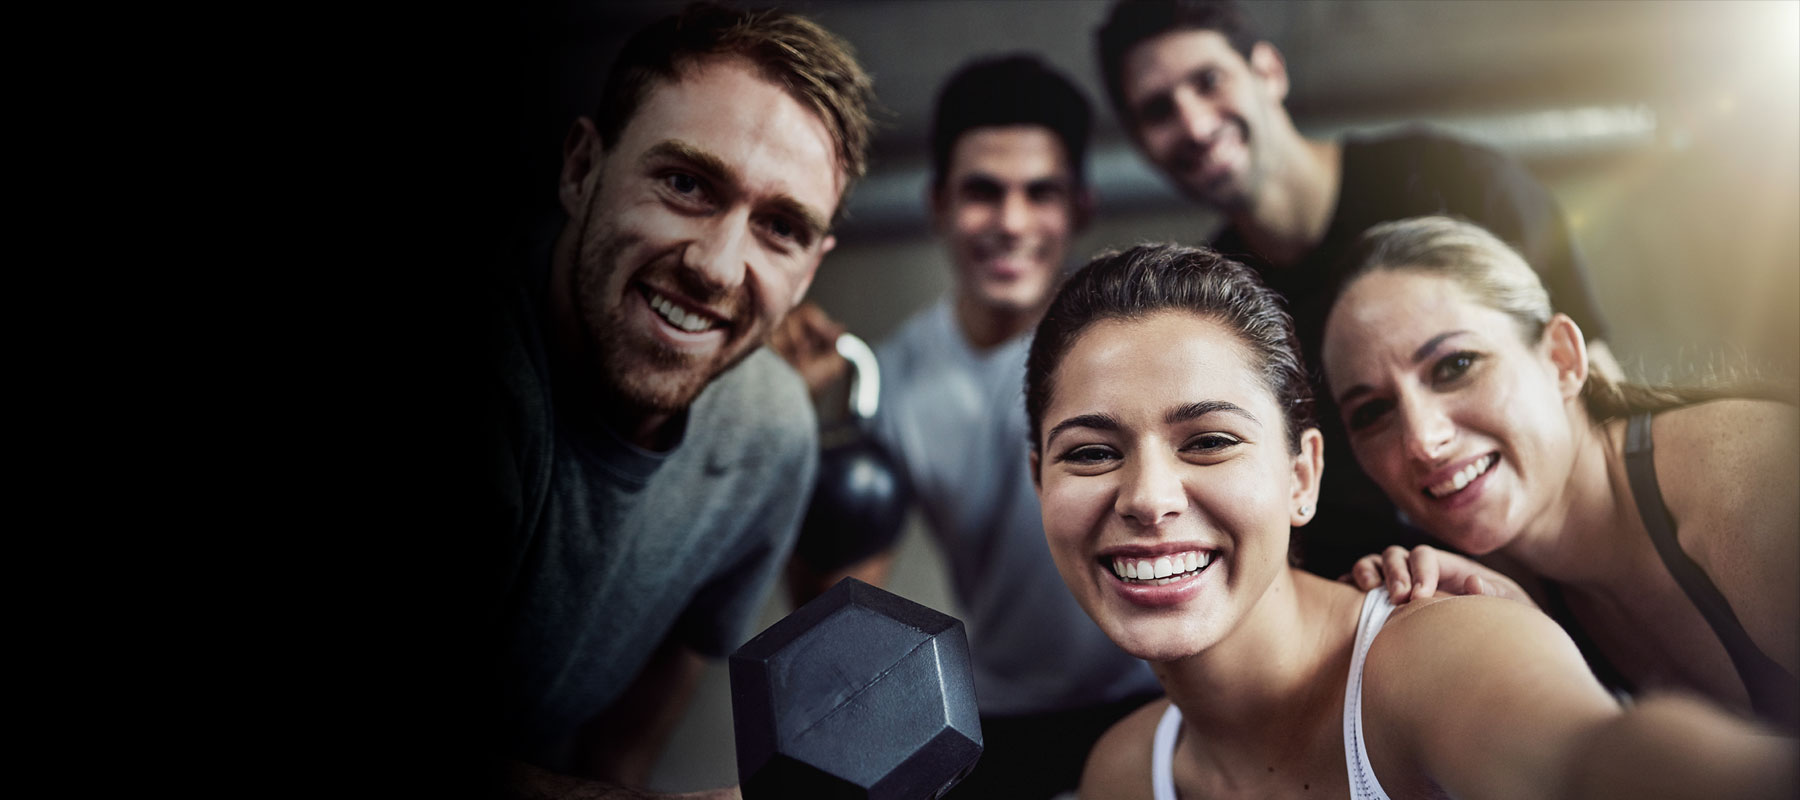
[(1202, 97)]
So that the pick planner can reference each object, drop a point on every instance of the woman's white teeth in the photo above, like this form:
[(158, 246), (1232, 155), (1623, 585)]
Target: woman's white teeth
[(1456, 482), (1165, 569), (692, 323)]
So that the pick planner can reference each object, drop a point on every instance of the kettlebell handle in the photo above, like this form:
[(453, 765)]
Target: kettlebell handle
[(865, 375)]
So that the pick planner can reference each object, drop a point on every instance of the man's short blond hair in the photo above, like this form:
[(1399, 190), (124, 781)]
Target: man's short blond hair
[(816, 67)]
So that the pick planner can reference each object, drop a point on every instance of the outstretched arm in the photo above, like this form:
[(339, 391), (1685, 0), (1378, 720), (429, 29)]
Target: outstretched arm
[(1491, 699), (1631, 755)]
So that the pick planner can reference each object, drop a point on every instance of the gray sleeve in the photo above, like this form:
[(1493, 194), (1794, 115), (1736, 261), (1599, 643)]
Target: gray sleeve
[(719, 618), (895, 364), (775, 483)]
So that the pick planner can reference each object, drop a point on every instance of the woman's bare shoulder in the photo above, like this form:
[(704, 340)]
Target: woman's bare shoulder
[(1729, 473), (1449, 677), (1426, 622), (1712, 440), (1119, 764), (1435, 650), (1727, 466)]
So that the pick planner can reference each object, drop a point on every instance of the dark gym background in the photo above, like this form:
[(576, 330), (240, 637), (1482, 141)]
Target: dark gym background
[(1669, 132)]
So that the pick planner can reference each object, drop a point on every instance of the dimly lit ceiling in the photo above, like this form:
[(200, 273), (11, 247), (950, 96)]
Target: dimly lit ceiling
[(1545, 79)]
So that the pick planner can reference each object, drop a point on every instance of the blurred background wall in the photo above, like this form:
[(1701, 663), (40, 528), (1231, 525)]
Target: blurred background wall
[(1668, 131)]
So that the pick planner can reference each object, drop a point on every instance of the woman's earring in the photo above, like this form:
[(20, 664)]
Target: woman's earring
[(1304, 510)]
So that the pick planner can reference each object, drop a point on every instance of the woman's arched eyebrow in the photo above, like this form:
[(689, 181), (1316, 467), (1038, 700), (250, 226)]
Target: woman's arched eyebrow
[(1425, 350), (1431, 344), (1099, 422), (1194, 411)]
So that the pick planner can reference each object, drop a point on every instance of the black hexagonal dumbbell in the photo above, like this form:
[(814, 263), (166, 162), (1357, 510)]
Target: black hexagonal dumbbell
[(860, 693)]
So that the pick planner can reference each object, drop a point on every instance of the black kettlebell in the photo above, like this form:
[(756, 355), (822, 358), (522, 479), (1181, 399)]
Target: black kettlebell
[(859, 501)]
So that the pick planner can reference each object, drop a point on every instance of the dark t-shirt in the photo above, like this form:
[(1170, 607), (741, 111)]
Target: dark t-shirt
[(606, 550), (1409, 174)]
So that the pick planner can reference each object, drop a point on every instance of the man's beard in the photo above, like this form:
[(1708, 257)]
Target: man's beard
[(639, 372)]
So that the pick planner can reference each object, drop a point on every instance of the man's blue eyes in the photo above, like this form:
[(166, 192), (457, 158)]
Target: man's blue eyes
[(689, 187)]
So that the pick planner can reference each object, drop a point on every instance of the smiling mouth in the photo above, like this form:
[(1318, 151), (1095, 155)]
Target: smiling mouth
[(1161, 570), (1215, 159), (677, 315), (1462, 478), (1009, 257)]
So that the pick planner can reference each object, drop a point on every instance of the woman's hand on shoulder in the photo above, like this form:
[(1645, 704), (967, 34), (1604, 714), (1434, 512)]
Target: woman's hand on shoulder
[(1424, 570)]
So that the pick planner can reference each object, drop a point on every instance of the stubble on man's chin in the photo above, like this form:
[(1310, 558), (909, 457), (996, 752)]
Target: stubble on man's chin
[(606, 359), (1224, 196), (664, 388), (648, 377), (1229, 195)]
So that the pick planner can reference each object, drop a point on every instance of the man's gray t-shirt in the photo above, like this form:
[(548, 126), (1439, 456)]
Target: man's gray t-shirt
[(955, 418), (618, 548)]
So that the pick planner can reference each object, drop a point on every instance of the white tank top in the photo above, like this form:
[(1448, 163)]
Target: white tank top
[(1363, 785)]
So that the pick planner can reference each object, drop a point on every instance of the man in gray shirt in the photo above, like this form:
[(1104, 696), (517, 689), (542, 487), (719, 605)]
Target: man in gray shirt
[(1008, 196), (656, 457)]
